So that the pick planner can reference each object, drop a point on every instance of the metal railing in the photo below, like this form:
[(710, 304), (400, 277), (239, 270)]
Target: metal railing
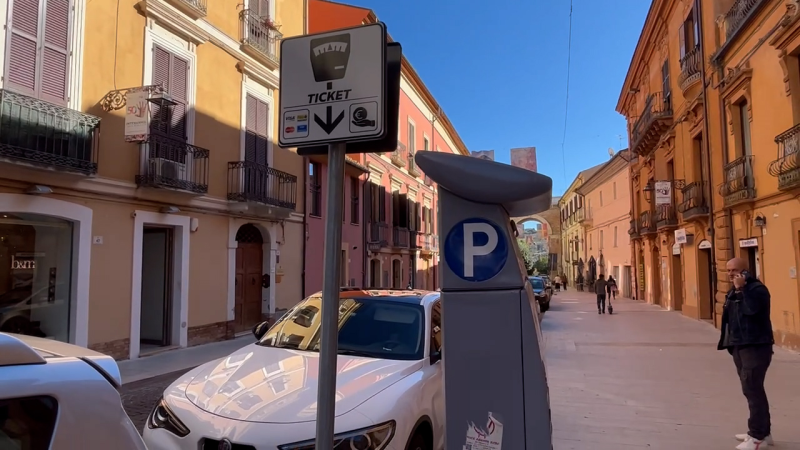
[(257, 34), (400, 237), (415, 239), (252, 182), (787, 167), (690, 67), (633, 230), (379, 233), (694, 199), (665, 216), (646, 223), (739, 185), (655, 107), (174, 164), (43, 134), (413, 170), (399, 156), (738, 14)]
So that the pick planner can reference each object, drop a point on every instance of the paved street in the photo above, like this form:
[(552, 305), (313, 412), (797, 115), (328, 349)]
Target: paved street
[(139, 397), (649, 378)]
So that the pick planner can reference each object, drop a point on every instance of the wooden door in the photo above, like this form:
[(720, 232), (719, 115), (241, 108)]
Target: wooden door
[(249, 260)]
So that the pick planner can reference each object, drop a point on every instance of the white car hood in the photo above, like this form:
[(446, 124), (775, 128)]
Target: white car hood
[(273, 385)]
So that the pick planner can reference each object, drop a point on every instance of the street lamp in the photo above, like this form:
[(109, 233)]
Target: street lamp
[(648, 190)]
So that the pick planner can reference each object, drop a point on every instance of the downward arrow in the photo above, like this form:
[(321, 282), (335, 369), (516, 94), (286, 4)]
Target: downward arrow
[(328, 126)]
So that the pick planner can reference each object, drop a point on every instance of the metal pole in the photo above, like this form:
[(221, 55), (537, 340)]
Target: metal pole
[(329, 333)]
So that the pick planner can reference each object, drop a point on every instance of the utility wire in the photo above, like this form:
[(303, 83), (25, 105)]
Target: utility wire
[(566, 106)]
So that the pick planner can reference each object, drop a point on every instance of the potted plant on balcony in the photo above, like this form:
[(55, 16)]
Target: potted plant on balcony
[(271, 24)]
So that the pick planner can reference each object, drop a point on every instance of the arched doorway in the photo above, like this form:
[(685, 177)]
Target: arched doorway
[(397, 274), (374, 273), (249, 270)]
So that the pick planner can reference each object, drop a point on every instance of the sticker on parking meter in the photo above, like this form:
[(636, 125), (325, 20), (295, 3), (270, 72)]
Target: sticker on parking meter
[(489, 438), (476, 249)]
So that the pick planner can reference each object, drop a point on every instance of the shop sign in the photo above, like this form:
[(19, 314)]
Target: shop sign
[(676, 249), (136, 107), (22, 264), (748, 243), (704, 244), (663, 192), (680, 236)]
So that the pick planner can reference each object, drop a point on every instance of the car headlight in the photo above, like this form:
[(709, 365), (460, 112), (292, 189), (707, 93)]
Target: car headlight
[(163, 417), (373, 438)]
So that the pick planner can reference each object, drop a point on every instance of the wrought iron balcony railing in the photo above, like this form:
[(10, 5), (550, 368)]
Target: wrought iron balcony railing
[(787, 167), (400, 237), (740, 11), (259, 38), (45, 135), (413, 170), (633, 230), (415, 239), (174, 164), (739, 186), (694, 202), (252, 182), (666, 217), (656, 118), (690, 68), (379, 233), (646, 223), (194, 8), (400, 155)]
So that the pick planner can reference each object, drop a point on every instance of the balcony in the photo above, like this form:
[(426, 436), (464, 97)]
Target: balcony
[(666, 217), (260, 185), (633, 231), (40, 134), (787, 168), (259, 38), (694, 204), (399, 156), (738, 15), (415, 239), (691, 64), (196, 9), (646, 223), (378, 236), (413, 170), (584, 217), (427, 242), (173, 164), (655, 120), (400, 237), (739, 186)]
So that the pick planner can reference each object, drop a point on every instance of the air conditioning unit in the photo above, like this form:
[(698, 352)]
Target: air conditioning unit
[(168, 169)]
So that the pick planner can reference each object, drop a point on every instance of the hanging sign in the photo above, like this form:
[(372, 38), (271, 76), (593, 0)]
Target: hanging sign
[(136, 126), (663, 192), (747, 243), (680, 236)]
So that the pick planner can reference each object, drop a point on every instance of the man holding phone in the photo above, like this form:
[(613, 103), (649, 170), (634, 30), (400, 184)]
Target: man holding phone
[(746, 333)]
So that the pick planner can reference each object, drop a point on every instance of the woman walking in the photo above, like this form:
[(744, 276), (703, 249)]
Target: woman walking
[(611, 286)]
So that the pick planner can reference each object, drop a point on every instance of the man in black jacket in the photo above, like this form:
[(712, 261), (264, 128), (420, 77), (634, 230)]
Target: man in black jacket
[(746, 334)]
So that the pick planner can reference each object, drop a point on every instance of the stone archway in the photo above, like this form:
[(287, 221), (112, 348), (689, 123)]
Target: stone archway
[(551, 218)]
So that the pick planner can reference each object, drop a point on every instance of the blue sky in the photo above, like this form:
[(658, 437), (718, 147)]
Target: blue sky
[(499, 68)]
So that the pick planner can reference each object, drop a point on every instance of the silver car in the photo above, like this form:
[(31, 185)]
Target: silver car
[(61, 397)]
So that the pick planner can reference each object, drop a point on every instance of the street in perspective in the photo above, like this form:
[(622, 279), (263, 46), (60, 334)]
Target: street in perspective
[(625, 280)]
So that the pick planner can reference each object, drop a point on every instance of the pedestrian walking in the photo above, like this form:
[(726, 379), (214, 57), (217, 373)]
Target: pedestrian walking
[(600, 290), (611, 288), (564, 281), (557, 282), (746, 333)]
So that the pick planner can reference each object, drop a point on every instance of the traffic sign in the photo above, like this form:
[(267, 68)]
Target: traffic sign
[(332, 87), (476, 249)]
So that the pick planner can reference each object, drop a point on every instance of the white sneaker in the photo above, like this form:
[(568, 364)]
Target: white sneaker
[(753, 444), (745, 437)]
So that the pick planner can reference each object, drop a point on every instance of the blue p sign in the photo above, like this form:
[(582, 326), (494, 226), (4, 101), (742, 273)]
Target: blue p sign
[(476, 249)]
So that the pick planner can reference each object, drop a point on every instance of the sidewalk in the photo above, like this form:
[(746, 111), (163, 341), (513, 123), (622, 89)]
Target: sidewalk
[(178, 359), (646, 378)]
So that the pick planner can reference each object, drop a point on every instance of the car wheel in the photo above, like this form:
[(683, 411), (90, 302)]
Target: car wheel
[(544, 306), (418, 442)]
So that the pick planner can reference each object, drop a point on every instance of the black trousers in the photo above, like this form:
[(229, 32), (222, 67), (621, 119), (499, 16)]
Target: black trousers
[(601, 302), (752, 362)]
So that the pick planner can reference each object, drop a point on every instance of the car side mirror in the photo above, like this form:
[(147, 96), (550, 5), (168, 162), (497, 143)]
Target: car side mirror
[(260, 330), (436, 356)]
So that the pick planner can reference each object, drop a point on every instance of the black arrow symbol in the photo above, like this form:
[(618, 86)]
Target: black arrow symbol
[(329, 126)]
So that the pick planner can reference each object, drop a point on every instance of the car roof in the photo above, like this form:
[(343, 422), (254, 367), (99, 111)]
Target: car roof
[(413, 296)]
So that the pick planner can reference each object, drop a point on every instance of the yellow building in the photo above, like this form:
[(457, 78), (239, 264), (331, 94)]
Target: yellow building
[(180, 224), (573, 233), (607, 219), (718, 150)]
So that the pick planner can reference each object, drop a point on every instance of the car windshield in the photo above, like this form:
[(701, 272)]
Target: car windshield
[(375, 327), (537, 283)]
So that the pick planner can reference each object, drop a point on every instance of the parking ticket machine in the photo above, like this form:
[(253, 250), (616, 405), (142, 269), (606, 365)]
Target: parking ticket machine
[(495, 384)]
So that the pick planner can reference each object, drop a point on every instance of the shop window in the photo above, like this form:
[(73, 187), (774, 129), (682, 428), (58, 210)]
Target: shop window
[(35, 275)]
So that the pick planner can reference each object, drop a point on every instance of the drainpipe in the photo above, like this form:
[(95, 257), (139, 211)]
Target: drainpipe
[(707, 149), (364, 227)]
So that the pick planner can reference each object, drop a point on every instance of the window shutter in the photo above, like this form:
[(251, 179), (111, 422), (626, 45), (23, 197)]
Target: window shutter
[(262, 8), (369, 213), (55, 53), (396, 209), (682, 39), (23, 37), (178, 89), (262, 111), (382, 204), (161, 63), (250, 138)]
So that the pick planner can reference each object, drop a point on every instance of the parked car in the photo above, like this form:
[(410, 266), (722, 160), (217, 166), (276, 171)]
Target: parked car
[(61, 397), (263, 396), (541, 292)]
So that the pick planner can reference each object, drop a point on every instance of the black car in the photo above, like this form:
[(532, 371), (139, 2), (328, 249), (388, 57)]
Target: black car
[(541, 292)]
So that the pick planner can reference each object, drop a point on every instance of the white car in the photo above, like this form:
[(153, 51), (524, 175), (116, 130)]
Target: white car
[(61, 397), (389, 382)]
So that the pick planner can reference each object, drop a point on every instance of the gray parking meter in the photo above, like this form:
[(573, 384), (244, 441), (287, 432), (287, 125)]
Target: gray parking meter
[(495, 384)]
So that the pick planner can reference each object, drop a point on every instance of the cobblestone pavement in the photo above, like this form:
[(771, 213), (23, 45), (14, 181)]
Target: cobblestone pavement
[(646, 378), (138, 398)]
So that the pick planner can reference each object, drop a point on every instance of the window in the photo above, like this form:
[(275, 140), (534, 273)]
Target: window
[(744, 129), (256, 131), (38, 49), (666, 88), (28, 423), (689, 34), (260, 8), (377, 202), (615, 236), (354, 200), (412, 133), (315, 187), (171, 72), (436, 327), (425, 143), (614, 190), (601, 240), (601, 198)]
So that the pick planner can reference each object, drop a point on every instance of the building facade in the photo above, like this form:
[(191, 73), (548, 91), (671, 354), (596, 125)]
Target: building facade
[(607, 220), (180, 225), (572, 207), (485, 154), (712, 109), (395, 242), (524, 157)]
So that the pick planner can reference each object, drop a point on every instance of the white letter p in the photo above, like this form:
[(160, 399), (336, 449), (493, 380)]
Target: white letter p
[(471, 250)]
